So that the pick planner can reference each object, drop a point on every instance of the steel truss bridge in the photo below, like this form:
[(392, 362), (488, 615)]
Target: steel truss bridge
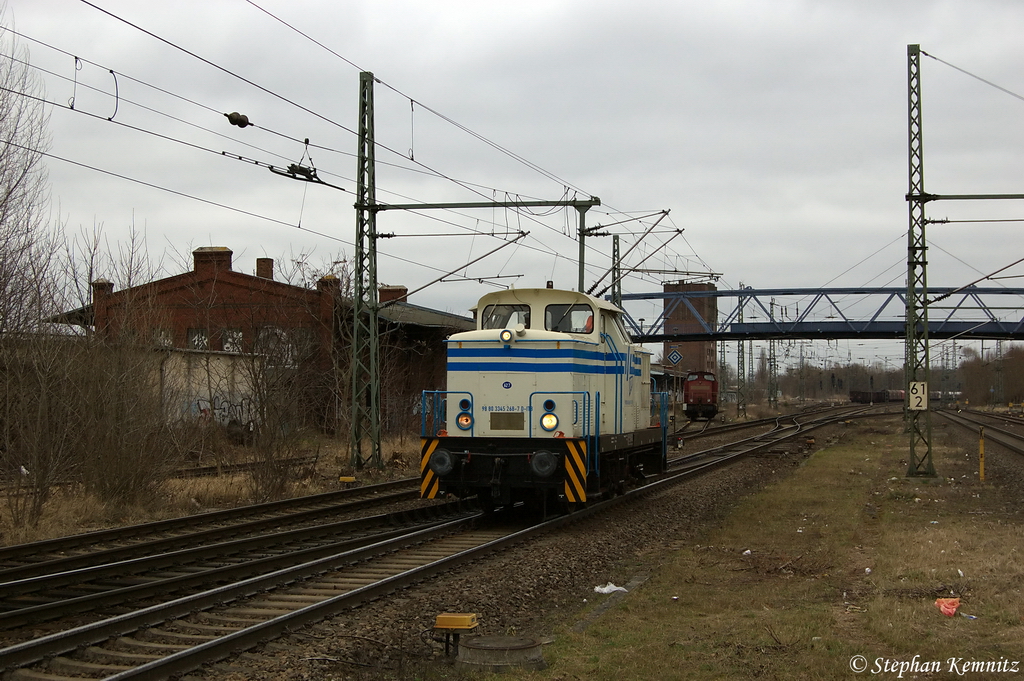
[(970, 313)]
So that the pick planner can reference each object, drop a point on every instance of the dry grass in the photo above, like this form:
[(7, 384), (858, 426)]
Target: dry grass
[(71, 511), (801, 603)]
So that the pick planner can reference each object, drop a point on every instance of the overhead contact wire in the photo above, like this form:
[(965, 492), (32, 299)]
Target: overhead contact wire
[(327, 119)]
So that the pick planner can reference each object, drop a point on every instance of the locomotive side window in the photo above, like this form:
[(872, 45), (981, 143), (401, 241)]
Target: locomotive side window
[(578, 318), (620, 327), (505, 316)]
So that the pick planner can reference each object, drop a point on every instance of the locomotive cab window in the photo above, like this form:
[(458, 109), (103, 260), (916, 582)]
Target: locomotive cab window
[(621, 328), (505, 316), (578, 318)]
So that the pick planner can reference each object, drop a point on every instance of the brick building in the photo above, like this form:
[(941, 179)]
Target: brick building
[(296, 332), (214, 308), (696, 355)]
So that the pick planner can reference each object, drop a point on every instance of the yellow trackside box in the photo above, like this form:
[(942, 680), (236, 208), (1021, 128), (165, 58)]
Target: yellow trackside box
[(453, 620)]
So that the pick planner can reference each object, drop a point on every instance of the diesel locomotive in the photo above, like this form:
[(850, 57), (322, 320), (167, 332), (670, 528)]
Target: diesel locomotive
[(548, 402), (700, 395)]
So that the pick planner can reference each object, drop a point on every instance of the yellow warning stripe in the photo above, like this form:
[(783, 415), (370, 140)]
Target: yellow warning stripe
[(429, 483), (576, 471)]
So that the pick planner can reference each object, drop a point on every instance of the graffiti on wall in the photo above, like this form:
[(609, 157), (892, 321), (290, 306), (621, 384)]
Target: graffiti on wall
[(223, 410)]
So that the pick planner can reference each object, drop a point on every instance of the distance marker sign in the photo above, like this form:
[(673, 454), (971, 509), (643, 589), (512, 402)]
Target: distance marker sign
[(917, 396)]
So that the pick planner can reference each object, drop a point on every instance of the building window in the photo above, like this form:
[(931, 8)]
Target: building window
[(162, 338), (273, 343), (232, 340), (198, 339), (284, 347)]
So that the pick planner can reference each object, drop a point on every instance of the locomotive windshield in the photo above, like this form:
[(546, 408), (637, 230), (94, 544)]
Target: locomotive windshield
[(578, 318), (505, 316)]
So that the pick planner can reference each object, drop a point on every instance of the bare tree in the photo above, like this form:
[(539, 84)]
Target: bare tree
[(29, 452), (26, 253)]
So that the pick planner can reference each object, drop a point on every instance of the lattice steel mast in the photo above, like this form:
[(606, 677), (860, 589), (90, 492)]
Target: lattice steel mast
[(918, 420), (773, 366), (616, 272), (365, 339), (741, 367)]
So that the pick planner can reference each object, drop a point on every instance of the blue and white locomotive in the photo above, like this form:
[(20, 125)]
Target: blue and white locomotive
[(548, 401)]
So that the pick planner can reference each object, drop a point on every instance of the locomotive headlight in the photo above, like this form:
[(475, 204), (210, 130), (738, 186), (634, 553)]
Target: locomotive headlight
[(464, 420), (549, 421), (442, 462), (543, 463), (505, 335)]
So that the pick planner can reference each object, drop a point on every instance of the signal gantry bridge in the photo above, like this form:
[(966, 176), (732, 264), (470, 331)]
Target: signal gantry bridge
[(970, 313)]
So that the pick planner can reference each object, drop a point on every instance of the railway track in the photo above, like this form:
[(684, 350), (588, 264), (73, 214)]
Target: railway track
[(160, 638), (244, 467), (1001, 435), (44, 592), (773, 424), (179, 635), (782, 430), (103, 546)]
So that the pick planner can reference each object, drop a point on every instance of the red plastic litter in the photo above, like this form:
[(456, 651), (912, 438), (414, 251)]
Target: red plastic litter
[(948, 606)]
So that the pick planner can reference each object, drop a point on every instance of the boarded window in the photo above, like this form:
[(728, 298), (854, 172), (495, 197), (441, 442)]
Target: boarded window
[(232, 339), (514, 420), (163, 338), (198, 339), (284, 348)]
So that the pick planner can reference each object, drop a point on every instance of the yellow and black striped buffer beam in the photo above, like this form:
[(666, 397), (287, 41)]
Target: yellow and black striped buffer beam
[(429, 482), (576, 471)]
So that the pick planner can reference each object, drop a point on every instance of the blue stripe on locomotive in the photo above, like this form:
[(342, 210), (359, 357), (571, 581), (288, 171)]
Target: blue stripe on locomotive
[(511, 358)]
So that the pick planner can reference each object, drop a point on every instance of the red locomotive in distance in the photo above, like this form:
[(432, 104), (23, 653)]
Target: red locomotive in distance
[(875, 396), (700, 395)]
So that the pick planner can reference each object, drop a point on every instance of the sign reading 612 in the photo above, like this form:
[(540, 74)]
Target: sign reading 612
[(917, 396)]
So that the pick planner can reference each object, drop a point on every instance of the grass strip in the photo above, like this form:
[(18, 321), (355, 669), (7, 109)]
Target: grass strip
[(844, 558)]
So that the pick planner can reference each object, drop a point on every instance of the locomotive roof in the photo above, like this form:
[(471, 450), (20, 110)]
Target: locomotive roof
[(543, 295)]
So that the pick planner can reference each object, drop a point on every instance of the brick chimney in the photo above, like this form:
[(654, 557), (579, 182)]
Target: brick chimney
[(209, 260), (265, 268), (329, 288), (386, 294), (101, 290)]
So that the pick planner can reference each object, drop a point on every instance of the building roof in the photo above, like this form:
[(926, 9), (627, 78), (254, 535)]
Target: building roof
[(214, 262), (395, 313), (407, 313)]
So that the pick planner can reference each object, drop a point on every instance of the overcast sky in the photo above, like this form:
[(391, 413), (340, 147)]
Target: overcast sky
[(775, 133)]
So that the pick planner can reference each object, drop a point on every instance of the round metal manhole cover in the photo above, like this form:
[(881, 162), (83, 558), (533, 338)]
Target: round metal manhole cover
[(497, 653)]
